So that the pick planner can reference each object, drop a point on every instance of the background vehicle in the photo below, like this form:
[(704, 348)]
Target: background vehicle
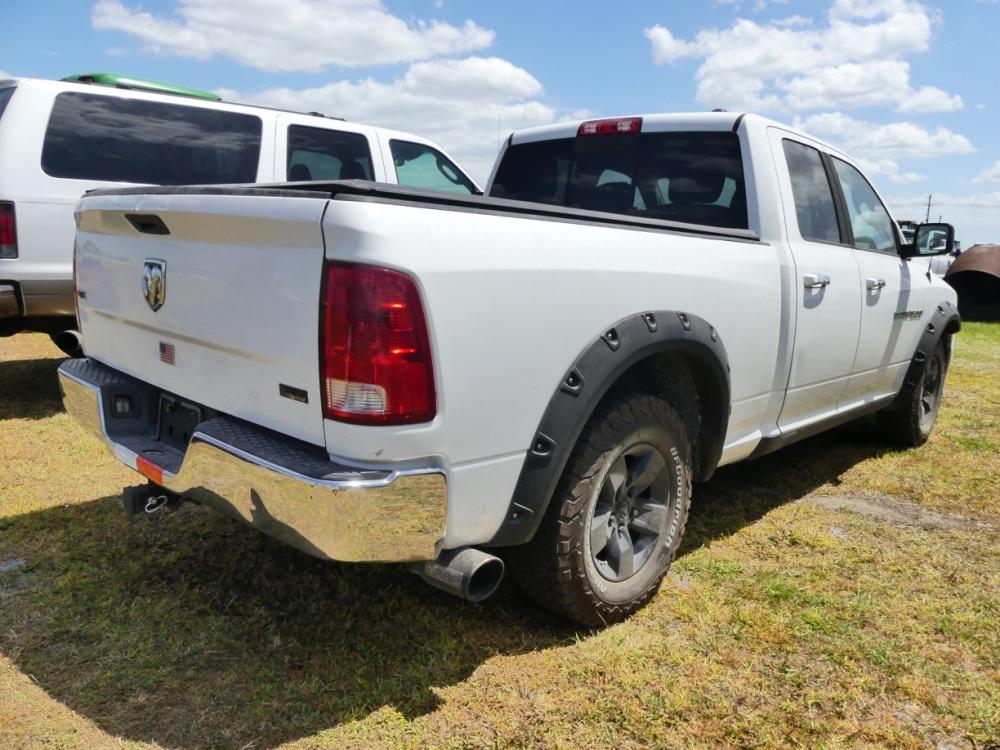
[(637, 302), (60, 138)]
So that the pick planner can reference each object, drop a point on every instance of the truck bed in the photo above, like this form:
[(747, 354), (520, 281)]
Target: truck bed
[(375, 191)]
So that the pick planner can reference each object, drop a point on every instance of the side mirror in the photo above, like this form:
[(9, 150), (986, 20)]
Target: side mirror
[(930, 240)]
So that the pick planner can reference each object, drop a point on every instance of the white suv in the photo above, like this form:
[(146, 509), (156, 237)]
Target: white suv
[(59, 139)]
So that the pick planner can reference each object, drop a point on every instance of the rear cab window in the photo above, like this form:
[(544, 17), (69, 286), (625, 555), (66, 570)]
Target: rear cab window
[(420, 165), (113, 139), (690, 177), (327, 154)]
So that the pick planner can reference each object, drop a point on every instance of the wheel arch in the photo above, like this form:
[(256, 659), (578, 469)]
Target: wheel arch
[(673, 354), (944, 323)]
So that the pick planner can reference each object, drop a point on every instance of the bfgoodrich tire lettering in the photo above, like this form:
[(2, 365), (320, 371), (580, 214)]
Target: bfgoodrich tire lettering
[(617, 517)]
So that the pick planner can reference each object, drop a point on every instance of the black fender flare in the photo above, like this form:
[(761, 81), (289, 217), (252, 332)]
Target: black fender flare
[(588, 380), (944, 321)]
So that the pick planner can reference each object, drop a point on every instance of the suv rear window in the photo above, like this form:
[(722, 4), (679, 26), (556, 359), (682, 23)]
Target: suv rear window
[(695, 178), (111, 139), (5, 95)]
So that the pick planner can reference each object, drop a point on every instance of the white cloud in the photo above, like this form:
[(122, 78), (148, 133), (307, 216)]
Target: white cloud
[(465, 105), (789, 21), (878, 147), (890, 169), (855, 60), (290, 35), (989, 174), (894, 140), (976, 217), (930, 99), (667, 47)]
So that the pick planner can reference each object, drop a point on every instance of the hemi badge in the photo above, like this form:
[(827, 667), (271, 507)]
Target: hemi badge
[(295, 394), (167, 353)]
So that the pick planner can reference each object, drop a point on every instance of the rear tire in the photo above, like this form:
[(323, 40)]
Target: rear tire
[(910, 425), (616, 519)]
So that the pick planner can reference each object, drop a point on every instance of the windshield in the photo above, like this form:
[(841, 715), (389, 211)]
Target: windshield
[(420, 165), (695, 178)]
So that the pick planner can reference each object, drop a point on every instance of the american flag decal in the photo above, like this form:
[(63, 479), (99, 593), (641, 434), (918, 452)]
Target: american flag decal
[(166, 353)]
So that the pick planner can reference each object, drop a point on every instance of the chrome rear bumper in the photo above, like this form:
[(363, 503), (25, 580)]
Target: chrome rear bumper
[(285, 488), (8, 301)]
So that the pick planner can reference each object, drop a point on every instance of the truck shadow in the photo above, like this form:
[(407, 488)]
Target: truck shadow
[(192, 631), (29, 388)]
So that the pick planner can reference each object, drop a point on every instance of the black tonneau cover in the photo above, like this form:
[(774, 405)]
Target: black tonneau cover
[(363, 190)]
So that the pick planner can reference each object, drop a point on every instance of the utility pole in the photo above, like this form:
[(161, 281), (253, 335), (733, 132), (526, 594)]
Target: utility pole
[(927, 217)]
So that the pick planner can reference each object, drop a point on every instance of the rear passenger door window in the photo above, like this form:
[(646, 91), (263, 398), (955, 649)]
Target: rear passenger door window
[(420, 165), (871, 225), (815, 209), (326, 154)]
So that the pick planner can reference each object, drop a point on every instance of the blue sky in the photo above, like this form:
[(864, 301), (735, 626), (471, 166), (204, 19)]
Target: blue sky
[(904, 85)]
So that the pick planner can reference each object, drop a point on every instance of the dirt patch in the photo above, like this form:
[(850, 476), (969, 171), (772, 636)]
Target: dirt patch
[(898, 513)]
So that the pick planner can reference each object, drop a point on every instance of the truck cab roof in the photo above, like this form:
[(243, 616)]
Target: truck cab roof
[(660, 121)]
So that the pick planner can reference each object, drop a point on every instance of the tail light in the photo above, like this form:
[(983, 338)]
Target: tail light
[(8, 230), (607, 127), (376, 356)]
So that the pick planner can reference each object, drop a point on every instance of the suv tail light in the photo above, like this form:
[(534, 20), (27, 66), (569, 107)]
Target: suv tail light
[(607, 127), (76, 288), (376, 356), (8, 230)]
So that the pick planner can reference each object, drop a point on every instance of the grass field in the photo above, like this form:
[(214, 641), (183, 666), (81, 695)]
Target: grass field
[(835, 594)]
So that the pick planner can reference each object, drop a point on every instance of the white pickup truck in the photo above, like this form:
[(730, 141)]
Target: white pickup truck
[(378, 373)]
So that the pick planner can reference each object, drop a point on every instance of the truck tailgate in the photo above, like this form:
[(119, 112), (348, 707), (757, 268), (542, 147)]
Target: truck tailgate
[(232, 320)]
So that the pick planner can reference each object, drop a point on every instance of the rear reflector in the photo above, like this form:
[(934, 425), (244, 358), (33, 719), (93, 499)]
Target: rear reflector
[(607, 127), (148, 469), (8, 230), (375, 352)]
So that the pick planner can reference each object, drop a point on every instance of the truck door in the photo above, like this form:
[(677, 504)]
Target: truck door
[(890, 319), (308, 147), (828, 297)]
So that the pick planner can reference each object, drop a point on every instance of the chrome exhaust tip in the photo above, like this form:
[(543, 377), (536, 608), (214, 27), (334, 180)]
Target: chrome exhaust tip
[(468, 573), (69, 342)]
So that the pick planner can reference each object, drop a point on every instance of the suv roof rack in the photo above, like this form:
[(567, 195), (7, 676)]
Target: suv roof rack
[(138, 84), (155, 87)]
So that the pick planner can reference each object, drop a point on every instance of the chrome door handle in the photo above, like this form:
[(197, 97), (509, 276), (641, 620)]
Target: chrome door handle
[(873, 285), (815, 280)]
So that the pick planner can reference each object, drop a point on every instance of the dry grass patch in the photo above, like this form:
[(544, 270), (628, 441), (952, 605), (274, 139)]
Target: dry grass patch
[(783, 623)]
